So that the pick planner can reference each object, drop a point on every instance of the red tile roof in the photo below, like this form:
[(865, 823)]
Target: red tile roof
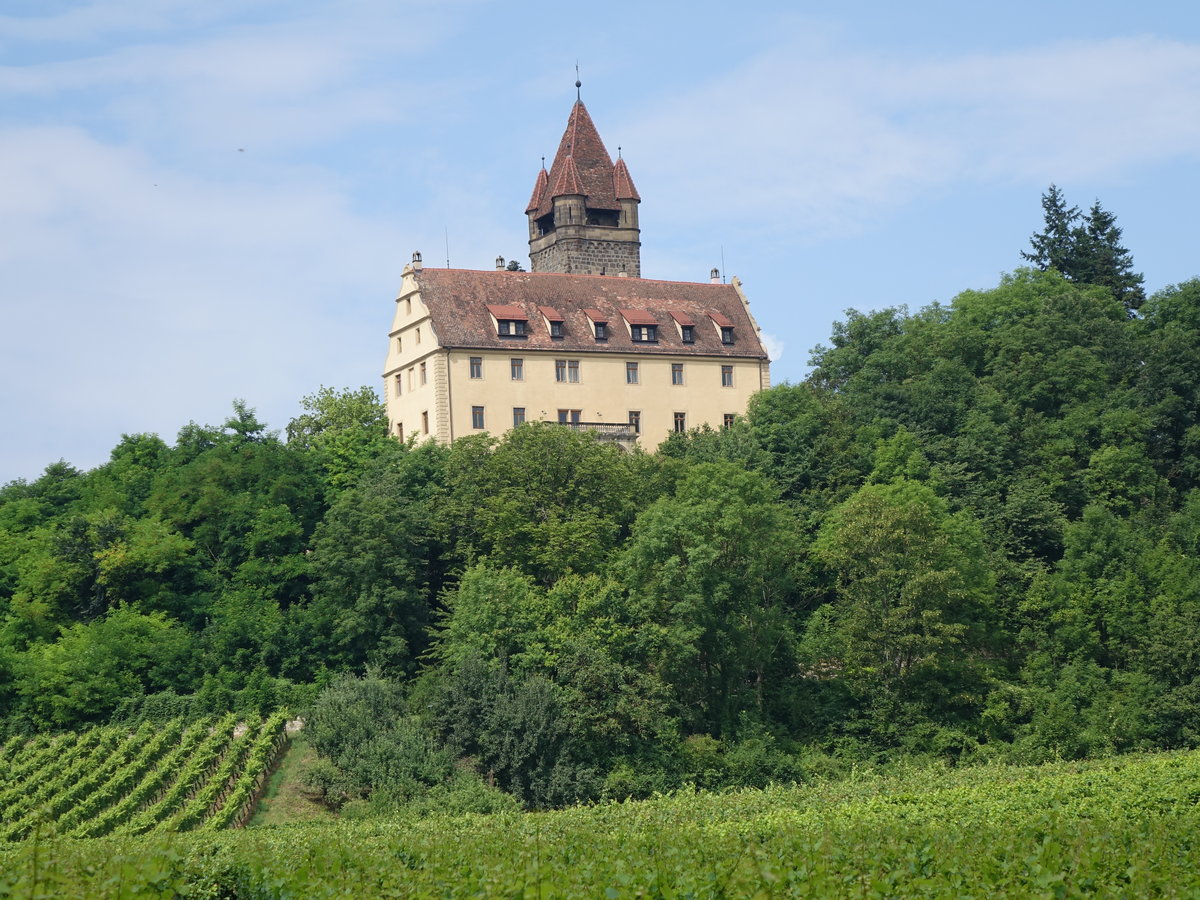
[(638, 317), (551, 313), (459, 301), (582, 166), (682, 318), (539, 188), (507, 311), (722, 321), (623, 182)]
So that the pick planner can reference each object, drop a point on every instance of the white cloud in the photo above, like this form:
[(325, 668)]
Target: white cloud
[(808, 139), (138, 297)]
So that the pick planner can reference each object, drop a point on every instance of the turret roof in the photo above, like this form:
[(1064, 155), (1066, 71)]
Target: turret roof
[(582, 166)]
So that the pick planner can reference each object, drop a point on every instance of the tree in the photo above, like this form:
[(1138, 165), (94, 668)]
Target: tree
[(711, 571), (374, 568), (1085, 249), (1055, 246), (1100, 258), (346, 429), (912, 597)]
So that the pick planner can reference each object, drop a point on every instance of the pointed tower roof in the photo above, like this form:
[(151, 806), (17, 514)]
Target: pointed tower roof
[(582, 151), (539, 188), (623, 182)]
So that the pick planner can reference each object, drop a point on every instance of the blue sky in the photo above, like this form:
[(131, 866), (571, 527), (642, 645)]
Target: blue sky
[(210, 200)]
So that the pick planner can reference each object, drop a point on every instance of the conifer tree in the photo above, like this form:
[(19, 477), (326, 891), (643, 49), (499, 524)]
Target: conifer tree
[(1055, 246), (1085, 248), (1100, 258)]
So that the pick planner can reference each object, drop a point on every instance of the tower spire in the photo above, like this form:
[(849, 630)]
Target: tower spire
[(583, 215), (578, 83)]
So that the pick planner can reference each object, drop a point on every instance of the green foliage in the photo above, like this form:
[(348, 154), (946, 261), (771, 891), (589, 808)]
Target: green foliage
[(1086, 249), (346, 431), (912, 602), (1113, 829)]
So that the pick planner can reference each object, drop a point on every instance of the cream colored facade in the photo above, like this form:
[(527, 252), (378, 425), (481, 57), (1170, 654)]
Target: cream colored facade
[(436, 392)]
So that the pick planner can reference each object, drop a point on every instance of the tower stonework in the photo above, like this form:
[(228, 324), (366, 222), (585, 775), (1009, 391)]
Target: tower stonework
[(583, 215)]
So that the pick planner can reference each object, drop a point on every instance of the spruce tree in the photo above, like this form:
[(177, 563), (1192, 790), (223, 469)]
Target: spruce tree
[(1085, 249), (1054, 247), (1100, 258)]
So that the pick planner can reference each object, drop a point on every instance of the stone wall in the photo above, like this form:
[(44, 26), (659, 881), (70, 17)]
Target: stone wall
[(585, 256)]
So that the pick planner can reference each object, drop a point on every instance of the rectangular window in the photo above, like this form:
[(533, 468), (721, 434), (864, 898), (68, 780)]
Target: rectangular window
[(635, 419), (573, 371), (726, 335), (570, 416), (556, 329), (400, 430), (631, 373), (688, 332), (411, 370), (477, 417), (676, 373), (511, 327), (425, 422), (399, 344), (399, 385), (726, 376), (518, 369), (518, 416), (408, 306), (601, 331), (476, 366), (560, 370), (418, 335), (680, 421), (424, 372), (727, 420), (644, 333)]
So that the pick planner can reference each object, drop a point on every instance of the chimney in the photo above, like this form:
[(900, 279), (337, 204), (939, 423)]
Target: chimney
[(416, 262), (714, 277), (499, 263)]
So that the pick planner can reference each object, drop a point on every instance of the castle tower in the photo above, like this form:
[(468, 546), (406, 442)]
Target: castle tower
[(583, 215)]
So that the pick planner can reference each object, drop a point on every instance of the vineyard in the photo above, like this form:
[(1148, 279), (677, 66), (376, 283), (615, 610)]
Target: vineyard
[(1125, 827), (111, 780)]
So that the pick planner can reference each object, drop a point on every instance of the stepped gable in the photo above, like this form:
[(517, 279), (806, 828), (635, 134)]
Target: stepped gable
[(458, 301), (580, 149)]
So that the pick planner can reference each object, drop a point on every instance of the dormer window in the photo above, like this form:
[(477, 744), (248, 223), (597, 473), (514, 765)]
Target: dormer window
[(686, 325), (724, 327), (510, 327), (554, 320), (510, 320), (599, 323), (643, 327)]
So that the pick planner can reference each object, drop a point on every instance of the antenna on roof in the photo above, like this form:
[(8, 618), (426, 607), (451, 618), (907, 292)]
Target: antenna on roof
[(543, 162), (578, 83), (447, 247), (618, 151), (722, 263)]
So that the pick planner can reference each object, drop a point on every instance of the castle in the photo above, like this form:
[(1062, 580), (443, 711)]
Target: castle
[(582, 339)]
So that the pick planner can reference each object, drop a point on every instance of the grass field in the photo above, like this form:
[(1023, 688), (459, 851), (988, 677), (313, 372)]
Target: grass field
[(1127, 827)]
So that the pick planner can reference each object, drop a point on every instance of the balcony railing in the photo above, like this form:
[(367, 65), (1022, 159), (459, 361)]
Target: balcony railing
[(620, 432)]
